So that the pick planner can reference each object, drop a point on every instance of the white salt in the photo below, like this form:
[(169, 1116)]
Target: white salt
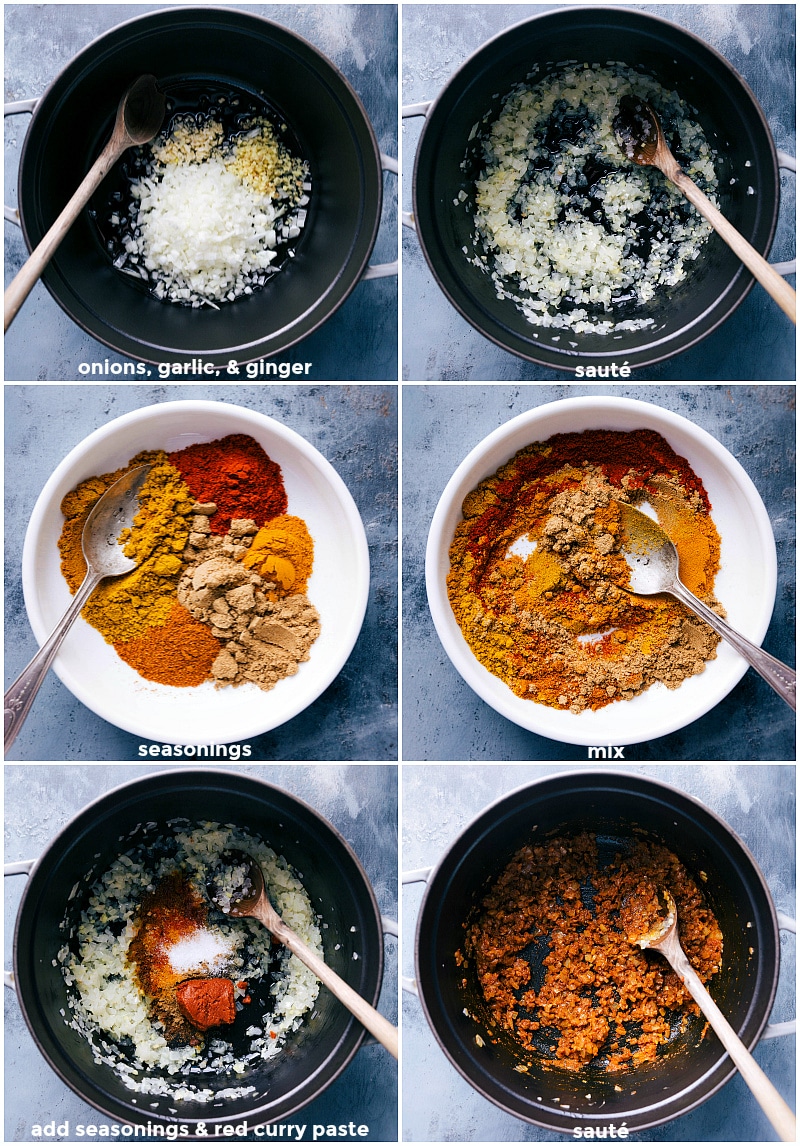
[(200, 950)]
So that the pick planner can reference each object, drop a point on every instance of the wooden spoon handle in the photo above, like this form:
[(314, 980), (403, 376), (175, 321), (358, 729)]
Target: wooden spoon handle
[(773, 283), (376, 1024), (771, 1102), (30, 272)]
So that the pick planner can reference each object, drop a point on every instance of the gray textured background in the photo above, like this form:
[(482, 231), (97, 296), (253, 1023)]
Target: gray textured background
[(360, 801), (442, 718), (355, 428), (438, 802), (756, 342), (359, 342)]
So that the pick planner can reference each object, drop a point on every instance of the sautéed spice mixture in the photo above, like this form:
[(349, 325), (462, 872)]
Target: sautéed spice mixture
[(551, 945)]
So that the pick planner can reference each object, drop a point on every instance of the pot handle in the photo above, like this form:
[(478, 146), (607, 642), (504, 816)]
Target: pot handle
[(420, 875), (389, 927), (21, 867), (771, 1031), (384, 270), (775, 1030), (787, 163), (20, 107), (409, 112), (378, 271)]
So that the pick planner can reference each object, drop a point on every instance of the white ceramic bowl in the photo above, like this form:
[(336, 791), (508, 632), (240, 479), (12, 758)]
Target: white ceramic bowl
[(338, 587), (745, 584)]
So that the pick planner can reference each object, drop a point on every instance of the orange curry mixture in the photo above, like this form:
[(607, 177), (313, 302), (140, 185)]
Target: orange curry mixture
[(597, 997)]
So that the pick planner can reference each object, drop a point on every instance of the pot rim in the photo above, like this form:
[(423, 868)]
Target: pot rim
[(513, 797), (651, 355), (187, 776), (253, 350)]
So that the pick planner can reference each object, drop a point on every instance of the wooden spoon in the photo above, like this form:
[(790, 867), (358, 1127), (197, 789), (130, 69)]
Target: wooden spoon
[(254, 902), (663, 937), (139, 118), (639, 134)]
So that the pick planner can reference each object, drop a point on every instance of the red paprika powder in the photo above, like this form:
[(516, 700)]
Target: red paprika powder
[(237, 476)]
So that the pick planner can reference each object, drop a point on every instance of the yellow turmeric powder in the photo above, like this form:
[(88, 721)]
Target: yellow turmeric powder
[(123, 608), (283, 552)]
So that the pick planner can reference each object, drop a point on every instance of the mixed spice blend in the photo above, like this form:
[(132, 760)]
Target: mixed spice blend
[(220, 589), (536, 575)]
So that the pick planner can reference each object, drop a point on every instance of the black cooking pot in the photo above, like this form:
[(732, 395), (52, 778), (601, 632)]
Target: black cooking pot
[(733, 123), (315, 1054), (620, 807), (229, 50)]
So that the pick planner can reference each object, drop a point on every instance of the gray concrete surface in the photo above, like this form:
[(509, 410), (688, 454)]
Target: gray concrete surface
[(757, 341), (442, 718), (438, 802), (359, 342), (361, 802), (355, 428)]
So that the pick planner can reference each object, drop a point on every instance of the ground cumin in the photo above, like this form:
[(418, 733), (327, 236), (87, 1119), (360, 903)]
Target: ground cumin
[(536, 574), (264, 635), (551, 945)]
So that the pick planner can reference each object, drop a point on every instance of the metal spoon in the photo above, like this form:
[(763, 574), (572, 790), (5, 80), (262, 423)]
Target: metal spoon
[(104, 558), (639, 134), (256, 905), (653, 563), (664, 938), (139, 118)]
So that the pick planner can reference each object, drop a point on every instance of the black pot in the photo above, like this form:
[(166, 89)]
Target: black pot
[(233, 49), (620, 806), (729, 114), (315, 1054)]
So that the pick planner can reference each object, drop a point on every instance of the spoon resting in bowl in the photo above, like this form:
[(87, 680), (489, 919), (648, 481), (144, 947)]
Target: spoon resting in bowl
[(250, 899), (639, 134), (104, 556), (663, 937), (139, 117), (652, 561)]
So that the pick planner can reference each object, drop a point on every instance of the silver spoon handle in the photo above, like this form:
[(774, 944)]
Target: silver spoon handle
[(778, 675), (769, 1099), (21, 694)]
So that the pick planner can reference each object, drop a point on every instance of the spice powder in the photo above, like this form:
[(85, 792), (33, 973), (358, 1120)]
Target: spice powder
[(201, 604), (536, 572)]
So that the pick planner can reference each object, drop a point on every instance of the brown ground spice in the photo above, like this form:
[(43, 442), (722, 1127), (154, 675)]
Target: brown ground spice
[(263, 637), (535, 576), (602, 999)]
